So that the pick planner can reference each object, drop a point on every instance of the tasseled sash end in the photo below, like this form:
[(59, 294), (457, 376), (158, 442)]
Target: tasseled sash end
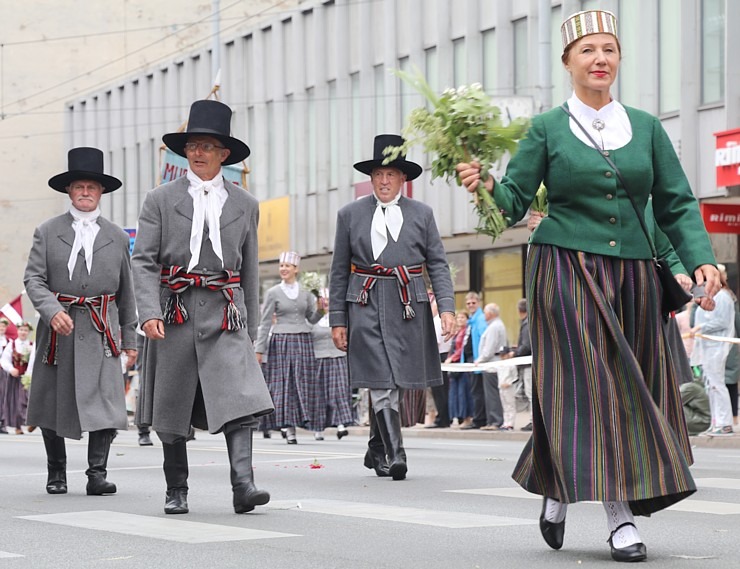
[(408, 311), (175, 311), (233, 320)]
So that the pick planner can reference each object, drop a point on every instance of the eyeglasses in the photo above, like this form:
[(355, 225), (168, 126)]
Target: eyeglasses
[(204, 146)]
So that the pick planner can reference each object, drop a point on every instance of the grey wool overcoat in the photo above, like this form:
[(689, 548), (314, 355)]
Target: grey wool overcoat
[(198, 351), (385, 350), (85, 390)]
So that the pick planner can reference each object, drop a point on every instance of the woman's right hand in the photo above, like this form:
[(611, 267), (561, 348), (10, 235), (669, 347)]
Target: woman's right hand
[(259, 357), (470, 176)]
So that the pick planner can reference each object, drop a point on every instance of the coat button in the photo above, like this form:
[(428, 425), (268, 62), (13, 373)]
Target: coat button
[(612, 220), (612, 243), (80, 337), (609, 196), (605, 153), (608, 174), (84, 286), (202, 303)]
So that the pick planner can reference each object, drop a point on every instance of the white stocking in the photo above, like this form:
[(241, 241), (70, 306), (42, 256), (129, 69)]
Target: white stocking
[(555, 511), (618, 513)]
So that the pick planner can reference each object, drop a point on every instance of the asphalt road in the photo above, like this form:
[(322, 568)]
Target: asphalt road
[(458, 508)]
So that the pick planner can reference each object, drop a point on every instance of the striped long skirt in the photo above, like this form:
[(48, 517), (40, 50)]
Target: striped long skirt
[(607, 421), (290, 373), (333, 376)]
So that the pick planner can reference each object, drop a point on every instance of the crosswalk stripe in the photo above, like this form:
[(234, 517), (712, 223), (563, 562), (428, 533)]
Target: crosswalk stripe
[(7, 555), (721, 483), (690, 505), (400, 514), (159, 528)]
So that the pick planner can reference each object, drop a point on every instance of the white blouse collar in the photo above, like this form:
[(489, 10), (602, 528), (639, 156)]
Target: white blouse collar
[(616, 129)]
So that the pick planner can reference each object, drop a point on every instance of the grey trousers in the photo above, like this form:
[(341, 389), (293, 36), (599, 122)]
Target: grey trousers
[(494, 409), (384, 399), (247, 421)]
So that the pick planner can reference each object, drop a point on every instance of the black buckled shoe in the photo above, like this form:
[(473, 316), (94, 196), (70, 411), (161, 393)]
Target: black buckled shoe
[(629, 554), (552, 532)]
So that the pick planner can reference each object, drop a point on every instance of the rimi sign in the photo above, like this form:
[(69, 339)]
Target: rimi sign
[(727, 158)]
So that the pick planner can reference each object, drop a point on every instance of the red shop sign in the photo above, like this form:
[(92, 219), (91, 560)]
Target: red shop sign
[(721, 217), (727, 158)]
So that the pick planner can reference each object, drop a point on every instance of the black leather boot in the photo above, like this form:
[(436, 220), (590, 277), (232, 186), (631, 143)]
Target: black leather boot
[(144, 438), (98, 447), (56, 462), (389, 425), (176, 475), (246, 494), (375, 455)]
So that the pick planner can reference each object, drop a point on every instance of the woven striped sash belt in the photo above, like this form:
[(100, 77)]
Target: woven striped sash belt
[(178, 280), (97, 307), (401, 273)]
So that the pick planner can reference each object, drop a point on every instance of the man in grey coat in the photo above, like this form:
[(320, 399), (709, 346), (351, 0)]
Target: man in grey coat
[(78, 277), (379, 308), (196, 271)]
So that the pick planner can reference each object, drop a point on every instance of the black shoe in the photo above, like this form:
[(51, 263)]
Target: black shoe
[(3, 430), (145, 440), (176, 501), (629, 554), (552, 532), (293, 441), (266, 435), (527, 427), (342, 433), (469, 427)]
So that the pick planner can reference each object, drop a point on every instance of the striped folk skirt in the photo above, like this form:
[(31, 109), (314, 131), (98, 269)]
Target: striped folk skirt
[(290, 373), (607, 420), (333, 376)]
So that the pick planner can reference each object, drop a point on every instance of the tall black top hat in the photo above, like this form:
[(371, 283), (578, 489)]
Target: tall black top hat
[(84, 163), (209, 118), (383, 141)]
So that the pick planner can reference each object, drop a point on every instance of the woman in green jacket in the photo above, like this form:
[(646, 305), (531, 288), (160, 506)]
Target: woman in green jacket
[(607, 423)]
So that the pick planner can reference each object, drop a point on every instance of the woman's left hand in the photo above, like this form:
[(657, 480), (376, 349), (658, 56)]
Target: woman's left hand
[(685, 281)]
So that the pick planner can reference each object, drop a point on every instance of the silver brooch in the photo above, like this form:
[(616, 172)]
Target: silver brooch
[(598, 124)]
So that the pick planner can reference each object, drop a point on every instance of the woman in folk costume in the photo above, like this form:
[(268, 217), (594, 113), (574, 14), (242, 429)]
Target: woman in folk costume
[(17, 360), (4, 322), (607, 420), (332, 376), (78, 278), (196, 271), (289, 310)]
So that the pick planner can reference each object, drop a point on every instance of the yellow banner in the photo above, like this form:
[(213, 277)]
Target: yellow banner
[(274, 229)]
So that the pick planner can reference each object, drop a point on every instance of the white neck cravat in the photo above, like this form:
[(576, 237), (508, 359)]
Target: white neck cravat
[(208, 201), (386, 222), (290, 290), (86, 227), (609, 126)]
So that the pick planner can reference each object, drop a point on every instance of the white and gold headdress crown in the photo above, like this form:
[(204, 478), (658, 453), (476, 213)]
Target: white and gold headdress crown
[(588, 22)]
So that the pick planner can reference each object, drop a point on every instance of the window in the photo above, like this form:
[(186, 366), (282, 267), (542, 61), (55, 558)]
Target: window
[(490, 64), (559, 77), (628, 88), (379, 72), (271, 148), (712, 51), (405, 91), (291, 140), (354, 80), (333, 136), (459, 62), (431, 68), (313, 181), (521, 57), (669, 56)]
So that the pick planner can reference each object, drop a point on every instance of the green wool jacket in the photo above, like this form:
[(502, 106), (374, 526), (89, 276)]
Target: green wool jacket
[(588, 210)]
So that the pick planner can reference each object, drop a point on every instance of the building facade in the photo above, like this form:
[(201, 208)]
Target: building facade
[(311, 86)]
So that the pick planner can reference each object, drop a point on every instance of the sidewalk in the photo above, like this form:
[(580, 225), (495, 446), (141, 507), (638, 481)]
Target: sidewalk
[(516, 435)]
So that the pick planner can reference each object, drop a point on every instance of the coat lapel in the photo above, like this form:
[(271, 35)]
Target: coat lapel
[(231, 211), (183, 201)]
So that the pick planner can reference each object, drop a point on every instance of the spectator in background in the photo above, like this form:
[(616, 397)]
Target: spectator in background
[(492, 345), (523, 348), (440, 393), (3, 374), (476, 326), (461, 398)]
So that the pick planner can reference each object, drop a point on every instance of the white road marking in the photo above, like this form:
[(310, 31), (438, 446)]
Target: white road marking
[(722, 483), (155, 527), (400, 514), (6, 555), (689, 505)]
